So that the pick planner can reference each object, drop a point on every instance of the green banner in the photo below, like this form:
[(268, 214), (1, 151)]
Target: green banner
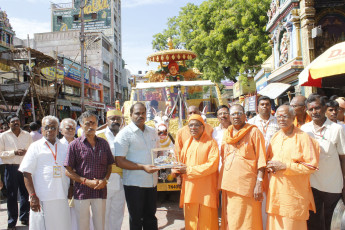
[(97, 15)]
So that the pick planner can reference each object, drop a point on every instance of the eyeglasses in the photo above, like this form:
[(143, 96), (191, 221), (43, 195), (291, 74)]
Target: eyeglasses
[(194, 125), (237, 114), (52, 128), (223, 114), (283, 117)]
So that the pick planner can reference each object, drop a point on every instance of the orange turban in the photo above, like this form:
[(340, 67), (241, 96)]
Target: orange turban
[(114, 113), (198, 118)]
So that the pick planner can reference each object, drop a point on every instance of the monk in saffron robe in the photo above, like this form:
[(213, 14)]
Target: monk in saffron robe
[(183, 134), (199, 192), (293, 155), (241, 177)]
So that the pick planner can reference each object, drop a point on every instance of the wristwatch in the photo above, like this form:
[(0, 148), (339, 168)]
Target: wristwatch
[(260, 179)]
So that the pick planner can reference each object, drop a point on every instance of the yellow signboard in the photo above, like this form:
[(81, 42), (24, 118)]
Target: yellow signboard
[(49, 73)]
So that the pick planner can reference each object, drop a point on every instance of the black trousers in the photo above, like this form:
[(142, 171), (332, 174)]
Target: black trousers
[(14, 181), (325, 204), (142, 205)]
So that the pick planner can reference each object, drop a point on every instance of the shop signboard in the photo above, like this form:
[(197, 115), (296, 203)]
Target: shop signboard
[(49, 73), (97, 15), (252, 103), (95, 104), (96, 86), (72, 71)]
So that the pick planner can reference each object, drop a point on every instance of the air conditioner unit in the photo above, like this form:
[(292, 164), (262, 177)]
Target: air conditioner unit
[(316, 32)]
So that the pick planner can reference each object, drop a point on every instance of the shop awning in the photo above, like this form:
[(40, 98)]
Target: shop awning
[(330, 63), (64, 102), (274, 90)]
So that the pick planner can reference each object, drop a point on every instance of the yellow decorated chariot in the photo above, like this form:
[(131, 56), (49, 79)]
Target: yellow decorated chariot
[(167, 94)]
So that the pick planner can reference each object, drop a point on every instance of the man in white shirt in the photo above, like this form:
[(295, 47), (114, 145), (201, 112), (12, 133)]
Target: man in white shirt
[(268, 125), (133, 146), (13, 145), (115, 204), (34, 132), (46, 181), (327, 183), (332, 108), (67, 129), (223, 116)]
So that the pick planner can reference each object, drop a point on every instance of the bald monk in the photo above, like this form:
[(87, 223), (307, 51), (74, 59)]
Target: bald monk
[(199, 193), (244, 161), (293, 156), (302, 117), (183, 134)]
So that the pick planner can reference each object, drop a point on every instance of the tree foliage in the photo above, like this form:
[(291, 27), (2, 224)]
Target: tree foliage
[(229, 36)]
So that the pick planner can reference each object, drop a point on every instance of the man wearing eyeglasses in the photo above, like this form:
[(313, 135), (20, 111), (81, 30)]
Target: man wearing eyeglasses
[(13, 146), (244, 161), (183, 134), (302, 117), (115, 206), (292, 157), (199, 192), (328, 182), (46, 181), (89, 162)]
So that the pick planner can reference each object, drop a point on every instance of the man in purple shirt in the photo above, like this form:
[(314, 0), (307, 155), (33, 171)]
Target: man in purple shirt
[(88, 163)]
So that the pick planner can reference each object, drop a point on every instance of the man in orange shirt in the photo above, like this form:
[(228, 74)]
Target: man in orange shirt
[(183, 134), (302, 117), (199, 193), (244, 161), (293, 156)]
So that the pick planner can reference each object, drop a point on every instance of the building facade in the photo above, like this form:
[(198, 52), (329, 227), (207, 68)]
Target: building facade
[(299, 32), (99, 16)]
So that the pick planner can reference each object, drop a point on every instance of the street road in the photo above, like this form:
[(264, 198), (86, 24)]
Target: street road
[(170, 216)]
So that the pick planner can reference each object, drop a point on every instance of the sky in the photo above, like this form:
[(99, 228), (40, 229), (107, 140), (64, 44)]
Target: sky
[(141, 19)]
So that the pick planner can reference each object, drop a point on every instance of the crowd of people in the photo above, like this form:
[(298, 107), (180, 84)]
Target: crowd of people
[(283, 171)]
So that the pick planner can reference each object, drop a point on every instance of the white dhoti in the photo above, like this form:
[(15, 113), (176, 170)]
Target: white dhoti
[(115, 206), (82, 211), (54, 215)]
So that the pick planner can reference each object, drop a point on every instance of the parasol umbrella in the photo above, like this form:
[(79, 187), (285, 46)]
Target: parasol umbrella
[(330, 63)]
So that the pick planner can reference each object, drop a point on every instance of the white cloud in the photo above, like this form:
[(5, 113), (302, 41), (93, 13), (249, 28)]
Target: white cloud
[(136, 3), (23, 27)]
